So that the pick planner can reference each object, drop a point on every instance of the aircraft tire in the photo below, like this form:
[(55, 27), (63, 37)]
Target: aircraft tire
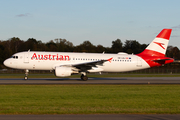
[(25, 78), (84, 78)]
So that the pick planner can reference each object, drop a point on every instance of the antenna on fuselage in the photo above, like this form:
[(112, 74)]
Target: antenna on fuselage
[(29, 50)]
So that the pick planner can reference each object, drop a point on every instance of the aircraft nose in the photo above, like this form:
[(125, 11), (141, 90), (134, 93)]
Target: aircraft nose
[(6, 63)]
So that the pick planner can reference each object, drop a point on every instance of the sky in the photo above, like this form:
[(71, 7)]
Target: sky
[(98, 21)]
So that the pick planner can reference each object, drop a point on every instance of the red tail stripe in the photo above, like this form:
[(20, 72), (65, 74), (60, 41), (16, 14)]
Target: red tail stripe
[(165, 33), (147, 52), (150, 60)]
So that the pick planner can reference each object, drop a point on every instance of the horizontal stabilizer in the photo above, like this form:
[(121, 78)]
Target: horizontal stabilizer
[(163, 61)]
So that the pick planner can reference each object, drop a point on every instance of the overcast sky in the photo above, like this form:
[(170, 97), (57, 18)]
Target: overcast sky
[(99, 21)]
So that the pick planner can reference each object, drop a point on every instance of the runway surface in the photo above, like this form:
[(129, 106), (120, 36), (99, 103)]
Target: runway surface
[(119, 80)]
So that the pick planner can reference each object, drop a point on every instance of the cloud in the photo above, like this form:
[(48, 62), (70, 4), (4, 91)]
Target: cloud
[(175, 36), (176, 27), (23, 15)]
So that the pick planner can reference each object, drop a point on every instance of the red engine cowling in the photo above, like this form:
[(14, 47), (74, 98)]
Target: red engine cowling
[(63, 71)]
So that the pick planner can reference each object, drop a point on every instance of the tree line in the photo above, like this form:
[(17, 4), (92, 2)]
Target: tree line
[(14, 45)]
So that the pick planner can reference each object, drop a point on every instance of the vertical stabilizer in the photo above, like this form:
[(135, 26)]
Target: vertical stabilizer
[(159, 45)]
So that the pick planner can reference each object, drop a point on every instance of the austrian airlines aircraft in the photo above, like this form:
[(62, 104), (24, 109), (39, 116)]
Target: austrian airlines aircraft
[(65, 63)]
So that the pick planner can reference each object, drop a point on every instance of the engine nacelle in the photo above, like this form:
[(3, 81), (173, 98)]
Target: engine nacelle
[(63, 71)]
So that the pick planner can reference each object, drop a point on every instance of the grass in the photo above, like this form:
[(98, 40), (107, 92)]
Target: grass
[(89, 99), (89, 75)]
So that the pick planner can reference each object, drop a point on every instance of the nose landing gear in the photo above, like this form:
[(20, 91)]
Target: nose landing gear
[(26, 74)]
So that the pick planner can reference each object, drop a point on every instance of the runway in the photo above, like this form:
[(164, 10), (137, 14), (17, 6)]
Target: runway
[(117, 80)]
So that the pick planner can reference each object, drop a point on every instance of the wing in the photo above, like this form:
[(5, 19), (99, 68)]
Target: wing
[(83, 67)]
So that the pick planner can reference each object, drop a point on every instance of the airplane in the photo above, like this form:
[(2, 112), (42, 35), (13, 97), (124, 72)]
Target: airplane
[(65, 64)]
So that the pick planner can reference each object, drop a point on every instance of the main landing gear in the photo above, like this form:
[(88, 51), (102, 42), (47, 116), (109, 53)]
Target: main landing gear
[(26, 74), (84, 77)]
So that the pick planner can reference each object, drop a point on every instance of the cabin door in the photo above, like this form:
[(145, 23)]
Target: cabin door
[(26, 57), (139, 62)]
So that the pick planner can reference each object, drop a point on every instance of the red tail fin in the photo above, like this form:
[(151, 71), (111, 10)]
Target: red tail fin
[(159, 45)]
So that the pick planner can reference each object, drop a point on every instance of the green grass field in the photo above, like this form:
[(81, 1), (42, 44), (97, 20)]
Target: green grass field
[(89, 99)]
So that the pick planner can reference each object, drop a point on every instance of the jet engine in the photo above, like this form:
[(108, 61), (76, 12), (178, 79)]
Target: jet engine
[(63, 71)]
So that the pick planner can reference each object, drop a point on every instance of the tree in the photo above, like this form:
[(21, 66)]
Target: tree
[(132, 46), (31, 44), (143, 47), (15, 44), (175, 53), (86, 46), (169, 51), (116, 46), (52, 46), (2, 57), (64, 45), (100, 48), (41, 46)]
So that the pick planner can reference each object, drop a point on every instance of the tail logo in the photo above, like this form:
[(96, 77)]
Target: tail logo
[(160, 44)]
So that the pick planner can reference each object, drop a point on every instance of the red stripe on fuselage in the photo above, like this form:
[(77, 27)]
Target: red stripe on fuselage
[(149, 56), (151, 60), (147, 52)]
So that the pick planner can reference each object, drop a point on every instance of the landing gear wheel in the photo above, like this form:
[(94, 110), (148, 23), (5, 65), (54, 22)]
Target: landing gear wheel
[(26, 77), (26, 74), (84, 78)]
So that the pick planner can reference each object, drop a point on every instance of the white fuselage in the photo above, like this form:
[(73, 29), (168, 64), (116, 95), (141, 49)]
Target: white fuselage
[(35, 60)]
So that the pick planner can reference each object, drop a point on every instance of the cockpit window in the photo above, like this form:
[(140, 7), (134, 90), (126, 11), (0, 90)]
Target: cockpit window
[(15, 57)]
